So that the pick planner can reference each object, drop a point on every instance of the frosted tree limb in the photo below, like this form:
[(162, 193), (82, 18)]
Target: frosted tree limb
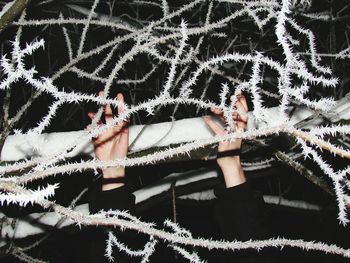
[(10, 11), (297, 72), (20, 146), (100, 219), (172, 238)]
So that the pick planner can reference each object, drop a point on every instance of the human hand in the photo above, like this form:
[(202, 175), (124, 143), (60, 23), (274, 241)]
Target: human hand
[(112, 143), (230, 165)]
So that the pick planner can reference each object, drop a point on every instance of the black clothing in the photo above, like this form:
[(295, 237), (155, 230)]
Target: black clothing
[(116, 199), (240, 212)]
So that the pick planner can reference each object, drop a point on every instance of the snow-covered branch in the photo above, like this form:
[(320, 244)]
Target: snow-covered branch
[(179, 61)]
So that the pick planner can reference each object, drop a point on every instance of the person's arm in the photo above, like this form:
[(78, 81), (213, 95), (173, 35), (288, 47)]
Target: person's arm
[(239, 209), (110, 191), (112, 144), (231, 165)]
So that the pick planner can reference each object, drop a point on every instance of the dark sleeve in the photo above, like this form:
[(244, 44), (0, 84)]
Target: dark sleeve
[(120, 198), (116, 199), (241, 212)]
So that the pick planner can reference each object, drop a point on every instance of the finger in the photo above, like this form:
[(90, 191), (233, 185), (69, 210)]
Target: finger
[(242, 112), (235, 116), (236, 96), (241, 116), (121, 107), (107, 109), (216, 111), (95, 137), (213, 126), (223, 119), (108, 113), (120, 99), (243, 100), (124, 137), (99, 122), (103, 137), (240, 107), (220, 114)]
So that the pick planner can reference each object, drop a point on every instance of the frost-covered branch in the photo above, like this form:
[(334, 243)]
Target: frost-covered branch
[(176, 58)]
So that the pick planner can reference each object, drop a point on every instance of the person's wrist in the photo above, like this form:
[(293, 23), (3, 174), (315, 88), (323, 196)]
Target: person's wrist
[(229, 161), (110, 173), (232, 170), (113, 172)]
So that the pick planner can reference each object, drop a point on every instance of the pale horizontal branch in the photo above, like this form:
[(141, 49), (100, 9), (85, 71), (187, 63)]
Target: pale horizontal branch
[(25, 146)]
